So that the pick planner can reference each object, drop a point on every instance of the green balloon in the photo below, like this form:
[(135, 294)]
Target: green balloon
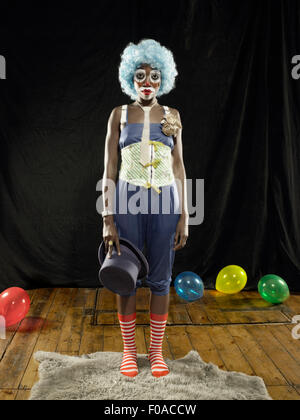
[(273, 289)]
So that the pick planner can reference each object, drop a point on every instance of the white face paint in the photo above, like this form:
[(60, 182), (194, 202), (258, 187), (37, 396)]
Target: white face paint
[(148, 91)]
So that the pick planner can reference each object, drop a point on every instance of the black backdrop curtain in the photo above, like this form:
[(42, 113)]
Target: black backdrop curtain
[(240, 112)]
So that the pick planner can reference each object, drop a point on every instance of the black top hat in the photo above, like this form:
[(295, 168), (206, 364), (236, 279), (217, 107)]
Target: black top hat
[(120, 272)]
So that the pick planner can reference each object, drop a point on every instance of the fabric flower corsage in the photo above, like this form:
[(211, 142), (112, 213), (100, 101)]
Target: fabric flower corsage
[(171, 124)]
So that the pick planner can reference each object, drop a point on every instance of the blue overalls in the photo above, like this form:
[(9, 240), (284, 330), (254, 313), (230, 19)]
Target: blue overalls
[(152, 228)]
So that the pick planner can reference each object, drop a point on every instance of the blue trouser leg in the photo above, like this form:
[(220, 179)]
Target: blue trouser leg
[(160, 253), (129, 226), (158, 230), (161, 229)]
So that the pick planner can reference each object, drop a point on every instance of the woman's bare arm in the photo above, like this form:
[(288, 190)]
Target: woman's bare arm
[(182, 231), (179, 169), (111, 158), (109, 179)]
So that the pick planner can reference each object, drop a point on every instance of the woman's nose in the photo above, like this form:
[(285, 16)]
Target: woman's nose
[(147, 83)]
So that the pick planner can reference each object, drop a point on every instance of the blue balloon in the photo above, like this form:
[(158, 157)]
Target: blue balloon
[(189, 286)]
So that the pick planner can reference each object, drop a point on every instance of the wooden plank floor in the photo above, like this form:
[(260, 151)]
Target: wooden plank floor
[(240, 332)]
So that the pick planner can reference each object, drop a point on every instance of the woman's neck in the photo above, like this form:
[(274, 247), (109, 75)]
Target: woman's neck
[(145, 102)]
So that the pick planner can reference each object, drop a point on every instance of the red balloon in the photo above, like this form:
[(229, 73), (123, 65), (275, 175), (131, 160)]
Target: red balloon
[(14, 305)]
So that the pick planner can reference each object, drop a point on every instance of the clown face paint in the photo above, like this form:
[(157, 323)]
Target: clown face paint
[(147, 82)]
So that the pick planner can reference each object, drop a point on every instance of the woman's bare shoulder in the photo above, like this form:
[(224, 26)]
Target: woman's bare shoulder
[(117, 109), (174, 111), (116, 112)]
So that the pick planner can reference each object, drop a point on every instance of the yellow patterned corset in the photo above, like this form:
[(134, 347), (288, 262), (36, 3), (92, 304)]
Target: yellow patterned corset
[(157, 173)]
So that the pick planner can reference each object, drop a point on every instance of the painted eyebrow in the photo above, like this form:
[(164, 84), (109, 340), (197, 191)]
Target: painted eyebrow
[(155, 71), (141, 68), (139, 71)]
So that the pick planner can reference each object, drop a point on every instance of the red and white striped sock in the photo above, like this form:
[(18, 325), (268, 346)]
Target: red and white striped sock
[(129, 361), (157, 330)]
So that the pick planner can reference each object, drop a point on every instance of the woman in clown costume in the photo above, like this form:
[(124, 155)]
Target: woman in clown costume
[(149, 137)]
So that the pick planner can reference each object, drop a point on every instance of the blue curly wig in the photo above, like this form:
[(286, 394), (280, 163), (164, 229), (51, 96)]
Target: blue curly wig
[(153, 53)]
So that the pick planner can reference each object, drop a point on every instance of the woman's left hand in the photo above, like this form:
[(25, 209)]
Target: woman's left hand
[(182, 233)]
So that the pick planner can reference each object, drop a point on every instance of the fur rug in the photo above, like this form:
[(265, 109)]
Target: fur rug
[(97, 377)]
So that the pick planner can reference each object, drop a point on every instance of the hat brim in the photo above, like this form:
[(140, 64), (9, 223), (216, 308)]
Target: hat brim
[(144, 263)]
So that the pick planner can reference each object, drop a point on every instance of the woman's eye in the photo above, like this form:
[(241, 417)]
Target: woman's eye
[(155, 76), (139, 75)]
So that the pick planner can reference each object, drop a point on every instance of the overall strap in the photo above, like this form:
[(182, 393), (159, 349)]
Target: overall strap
[(145, 155), (124, 114)]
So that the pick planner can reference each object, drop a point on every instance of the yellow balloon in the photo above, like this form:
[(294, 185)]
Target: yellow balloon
[(231, 279)]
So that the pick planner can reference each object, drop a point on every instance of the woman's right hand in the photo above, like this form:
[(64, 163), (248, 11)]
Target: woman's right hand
[(110, 233)]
